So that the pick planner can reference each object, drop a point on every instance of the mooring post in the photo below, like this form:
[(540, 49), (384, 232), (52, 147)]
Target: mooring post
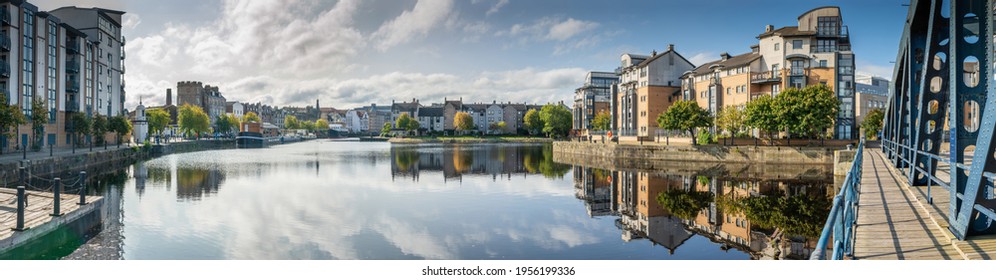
[(20, 209), (56, 197), (82, 188)]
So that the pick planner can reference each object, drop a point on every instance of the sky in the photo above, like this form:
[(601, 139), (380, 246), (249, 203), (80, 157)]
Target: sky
[(351, 53)]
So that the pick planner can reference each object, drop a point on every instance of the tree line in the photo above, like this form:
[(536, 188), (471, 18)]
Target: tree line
[(553, 121), (11, 117)]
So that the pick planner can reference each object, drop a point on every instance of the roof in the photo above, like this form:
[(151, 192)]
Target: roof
[(455, 103), (518, 107), (431, 112), (652, 59), (476, 107), (788, 31), (405, 106), (729, 63)]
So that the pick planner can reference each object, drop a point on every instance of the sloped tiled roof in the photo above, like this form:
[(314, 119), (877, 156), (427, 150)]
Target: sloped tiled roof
[(735, 61)]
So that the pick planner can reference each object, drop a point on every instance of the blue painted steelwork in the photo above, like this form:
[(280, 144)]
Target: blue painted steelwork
[(843, 215), (943, 69)]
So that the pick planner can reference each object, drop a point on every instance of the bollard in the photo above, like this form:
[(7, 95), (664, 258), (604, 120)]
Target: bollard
[(82, 188), (23, 174), (20, 209), (57, 198)]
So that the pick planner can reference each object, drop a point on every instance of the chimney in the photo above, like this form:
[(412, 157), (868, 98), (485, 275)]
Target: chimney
[(769, 28), (725, 56), (670, 47), (653, 54)]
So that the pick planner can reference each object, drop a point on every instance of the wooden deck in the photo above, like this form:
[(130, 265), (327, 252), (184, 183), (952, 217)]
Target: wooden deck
[(894, 223), (37, 213)]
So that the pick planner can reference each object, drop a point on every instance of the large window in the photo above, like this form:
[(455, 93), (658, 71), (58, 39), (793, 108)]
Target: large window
[(28, 85), (798, 67), (796, 44), (52, 62), (828, 26)]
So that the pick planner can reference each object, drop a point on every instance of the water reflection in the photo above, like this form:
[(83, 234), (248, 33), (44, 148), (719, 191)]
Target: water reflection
[(769, 219), (456, 161)]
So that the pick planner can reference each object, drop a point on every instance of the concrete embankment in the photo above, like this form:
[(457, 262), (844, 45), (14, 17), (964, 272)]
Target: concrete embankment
[(707, 153), (93, 162)]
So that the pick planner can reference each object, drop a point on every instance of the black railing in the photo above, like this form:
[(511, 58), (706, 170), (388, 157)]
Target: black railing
[(73, 66)]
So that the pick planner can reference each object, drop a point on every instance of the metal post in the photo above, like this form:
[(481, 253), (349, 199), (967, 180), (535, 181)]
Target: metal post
[(50, 149), (21, 204), (56, 197), (82, 188), (930, 180)]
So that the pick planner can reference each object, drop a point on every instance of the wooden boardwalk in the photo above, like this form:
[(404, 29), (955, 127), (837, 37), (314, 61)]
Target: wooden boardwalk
[(893, 222), (37, 213)]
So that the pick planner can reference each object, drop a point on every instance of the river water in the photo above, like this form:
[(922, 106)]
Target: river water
[(353, 200)]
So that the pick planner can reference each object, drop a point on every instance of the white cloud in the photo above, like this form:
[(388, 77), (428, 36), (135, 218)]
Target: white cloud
[(569, 28), (497, 7), (703, 57), (130, 21), (416, 23), (884, 71)]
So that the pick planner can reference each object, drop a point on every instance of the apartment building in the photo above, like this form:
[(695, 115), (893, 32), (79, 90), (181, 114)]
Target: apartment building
[(648, 85), (592, 98), (817, 51), (871, 93), (102, 28), (52, 58)]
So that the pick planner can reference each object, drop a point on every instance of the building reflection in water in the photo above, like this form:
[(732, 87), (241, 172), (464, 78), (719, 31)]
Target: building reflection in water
[(191, 183), (769, 219), (457, 161)]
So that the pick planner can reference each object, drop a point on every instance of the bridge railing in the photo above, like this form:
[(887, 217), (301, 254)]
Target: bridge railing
[(898, 149), (843, 215)]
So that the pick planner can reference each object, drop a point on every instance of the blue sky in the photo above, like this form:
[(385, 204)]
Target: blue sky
[(350, 53)]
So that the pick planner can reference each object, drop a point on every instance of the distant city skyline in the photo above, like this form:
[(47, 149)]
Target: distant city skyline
[(352, 53)]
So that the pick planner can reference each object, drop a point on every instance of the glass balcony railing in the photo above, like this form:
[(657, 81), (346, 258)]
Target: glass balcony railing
[(4, 42), (73, 66), (73, 85), (5, 15), (4, 69), (73, 46)]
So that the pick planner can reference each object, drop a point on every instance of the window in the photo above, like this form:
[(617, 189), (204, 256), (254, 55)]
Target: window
[(823, 63), (796, 44), (728, 91), (777, 46), (28, 85)]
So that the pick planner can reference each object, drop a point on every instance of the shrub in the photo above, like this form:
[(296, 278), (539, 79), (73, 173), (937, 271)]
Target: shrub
[(705, 138)]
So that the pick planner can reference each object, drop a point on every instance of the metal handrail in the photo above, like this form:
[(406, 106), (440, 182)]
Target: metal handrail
[(843, 215)]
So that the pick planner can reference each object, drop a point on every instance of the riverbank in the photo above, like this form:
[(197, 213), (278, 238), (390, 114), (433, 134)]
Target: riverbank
[(704, 153), (469, 140)]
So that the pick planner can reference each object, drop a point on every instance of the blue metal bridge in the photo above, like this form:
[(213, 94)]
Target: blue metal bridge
[(938, 142)]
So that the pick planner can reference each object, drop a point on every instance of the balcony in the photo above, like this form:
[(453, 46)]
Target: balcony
[(5, 15), (73, 85), (73, 66), (841, 33), (4, 69), (73, 46), (766, 77), (4, 42)]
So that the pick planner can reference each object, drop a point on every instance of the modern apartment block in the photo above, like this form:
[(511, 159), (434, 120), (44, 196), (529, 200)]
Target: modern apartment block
[(817, 51), (102, 28), (648, 85), (872, 93), (52, 58), (594, 97), (207, 97)]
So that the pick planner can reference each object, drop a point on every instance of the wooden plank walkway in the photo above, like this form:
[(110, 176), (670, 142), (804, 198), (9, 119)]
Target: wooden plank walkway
[(37, 213), (893, 223)]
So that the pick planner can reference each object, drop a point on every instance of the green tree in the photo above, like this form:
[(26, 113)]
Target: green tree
[(463, 121), (10, 118), (291, 122), (685, 115), (533, 121), (120, 126), (872, 123), (81, 125), (321, 125), (99, 128), (556, 120), (158, 120), (39, 118), (809, 111), (731, 119), (403, 121), (386, 130), (602, 121), (413, 125), (251, 117), (193, 121), (501, 126), (762, 113), (684, 204), (224, 124)]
